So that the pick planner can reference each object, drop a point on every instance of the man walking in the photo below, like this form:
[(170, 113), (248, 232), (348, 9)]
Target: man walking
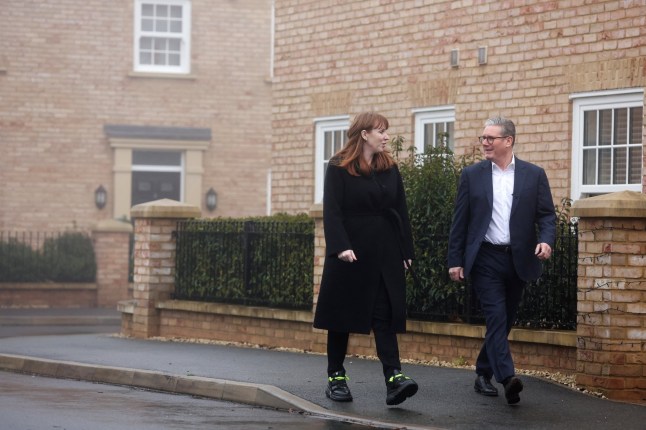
[(502, 203)]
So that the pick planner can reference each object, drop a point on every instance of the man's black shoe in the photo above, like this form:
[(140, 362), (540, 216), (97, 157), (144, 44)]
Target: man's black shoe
[(513, 386), (483, 386), (337, 387), (399, 387)]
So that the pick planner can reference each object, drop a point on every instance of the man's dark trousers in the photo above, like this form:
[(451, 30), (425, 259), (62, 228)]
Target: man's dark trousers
[(499, 290)]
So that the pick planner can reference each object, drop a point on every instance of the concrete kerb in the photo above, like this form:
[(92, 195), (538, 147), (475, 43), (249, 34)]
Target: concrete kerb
[(238, 392)]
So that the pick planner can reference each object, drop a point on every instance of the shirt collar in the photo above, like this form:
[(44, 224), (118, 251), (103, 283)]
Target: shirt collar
[(510, 168)]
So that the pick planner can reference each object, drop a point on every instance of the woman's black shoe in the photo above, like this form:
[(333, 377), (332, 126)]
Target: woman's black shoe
[(337, 387), (399, 387)]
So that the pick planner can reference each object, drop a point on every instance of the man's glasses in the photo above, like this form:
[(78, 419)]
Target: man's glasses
[(490, 139)]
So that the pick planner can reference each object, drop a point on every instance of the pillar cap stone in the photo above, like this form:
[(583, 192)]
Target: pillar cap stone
[(316, 210), (113, 226), (622, 204), (165, 208)]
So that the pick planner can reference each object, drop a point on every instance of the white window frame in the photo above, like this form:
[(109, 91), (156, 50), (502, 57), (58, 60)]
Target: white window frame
[(323, 125), (599, 100), (166, 168), (184, 38), (423, 116)]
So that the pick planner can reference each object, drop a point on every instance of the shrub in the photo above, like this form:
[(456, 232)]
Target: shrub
[(431, 181), (69, 258), (19, 262)]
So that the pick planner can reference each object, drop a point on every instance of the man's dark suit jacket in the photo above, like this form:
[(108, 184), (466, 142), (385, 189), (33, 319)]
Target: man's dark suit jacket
[(532, 208)]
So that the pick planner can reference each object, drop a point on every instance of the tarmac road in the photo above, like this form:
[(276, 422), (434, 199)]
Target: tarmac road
[(37, 403)]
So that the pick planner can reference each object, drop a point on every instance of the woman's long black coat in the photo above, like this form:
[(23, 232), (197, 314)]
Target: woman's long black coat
[(357, 215)]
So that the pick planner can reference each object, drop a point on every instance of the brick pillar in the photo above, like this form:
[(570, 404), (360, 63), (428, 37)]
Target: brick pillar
[(111, 246), (154, 266), (611, 323)]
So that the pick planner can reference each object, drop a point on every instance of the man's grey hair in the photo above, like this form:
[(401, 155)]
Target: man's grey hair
[(507, 126)]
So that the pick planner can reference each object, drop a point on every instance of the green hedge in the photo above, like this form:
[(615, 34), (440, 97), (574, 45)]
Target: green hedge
[(431, 181), (68, 257), (263, 261)]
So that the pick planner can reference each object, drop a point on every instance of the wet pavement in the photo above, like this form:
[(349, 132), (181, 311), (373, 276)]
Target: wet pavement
[(296, 381)]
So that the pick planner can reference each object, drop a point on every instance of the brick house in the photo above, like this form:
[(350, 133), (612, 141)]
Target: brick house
[(571, 74), (144, 99), (172, 98)]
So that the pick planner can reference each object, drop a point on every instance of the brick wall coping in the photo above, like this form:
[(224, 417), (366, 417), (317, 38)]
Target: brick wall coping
[(127, 306), (165, 208), (113, 226), (623, 204), (54, 286), (236, 310), (548, 337)]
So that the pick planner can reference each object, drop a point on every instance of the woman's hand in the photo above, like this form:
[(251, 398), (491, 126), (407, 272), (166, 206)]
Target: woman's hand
[(347, 256), (407, 263)]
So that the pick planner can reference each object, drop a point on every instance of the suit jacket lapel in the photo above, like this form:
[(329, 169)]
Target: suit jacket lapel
[(487, 181), (519, 180)]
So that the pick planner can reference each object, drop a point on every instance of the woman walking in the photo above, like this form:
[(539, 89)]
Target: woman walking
[(368, 247)]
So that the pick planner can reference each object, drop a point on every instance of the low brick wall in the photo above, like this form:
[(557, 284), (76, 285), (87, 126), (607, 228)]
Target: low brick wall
[(48, 295), (553, 351)]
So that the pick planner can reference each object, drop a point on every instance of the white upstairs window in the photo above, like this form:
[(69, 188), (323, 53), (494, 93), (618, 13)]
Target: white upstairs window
[(162, 36)]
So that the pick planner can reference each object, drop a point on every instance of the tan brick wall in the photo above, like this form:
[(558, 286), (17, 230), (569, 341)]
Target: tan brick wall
[(197, 321), (340, 58), (43, 295), (65, 72)]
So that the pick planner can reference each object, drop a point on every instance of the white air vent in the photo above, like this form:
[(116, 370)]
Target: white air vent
[(455, 58), (482, 55)]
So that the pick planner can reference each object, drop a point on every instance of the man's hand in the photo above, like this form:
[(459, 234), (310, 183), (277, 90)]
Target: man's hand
[(456, 273), (543, 251)]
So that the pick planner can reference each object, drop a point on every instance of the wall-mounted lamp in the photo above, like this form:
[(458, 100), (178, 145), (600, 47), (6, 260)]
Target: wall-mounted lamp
[(211, 199), (100, 197)]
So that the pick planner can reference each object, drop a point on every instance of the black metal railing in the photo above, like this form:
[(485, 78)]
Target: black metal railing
[(259, 263), (42, 257), (271, 264), (549, 302)]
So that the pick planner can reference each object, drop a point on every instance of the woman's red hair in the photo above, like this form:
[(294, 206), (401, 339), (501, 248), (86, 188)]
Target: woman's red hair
[(350, 157)]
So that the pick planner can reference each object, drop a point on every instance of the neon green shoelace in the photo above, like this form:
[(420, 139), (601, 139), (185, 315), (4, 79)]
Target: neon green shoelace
[(338, 378), (398, 376)]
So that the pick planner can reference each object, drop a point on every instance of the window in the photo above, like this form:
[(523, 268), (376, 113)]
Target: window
[(434, 128), (156, 175), (607, 142), (162, 36), (331, 135)]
